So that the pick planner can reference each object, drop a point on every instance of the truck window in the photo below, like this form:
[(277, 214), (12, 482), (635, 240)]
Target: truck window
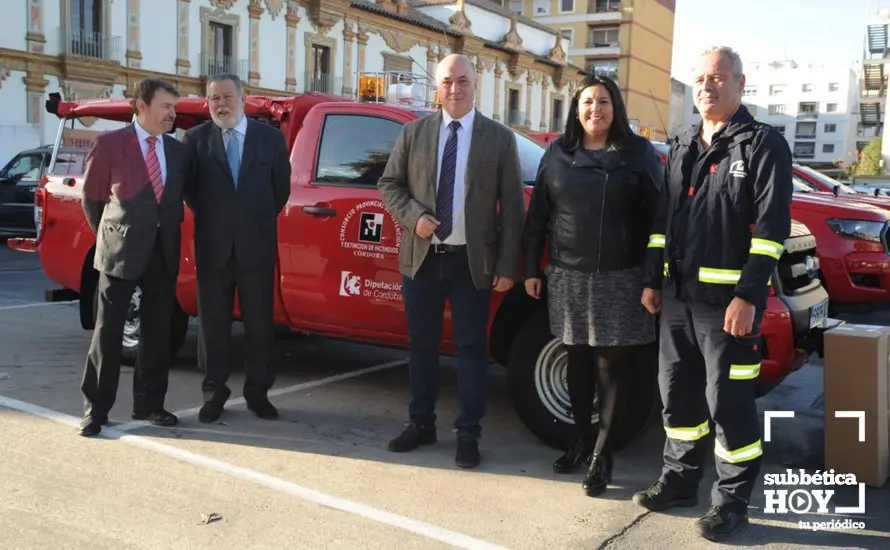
[(354, 149), (24, 167), (69, 164)]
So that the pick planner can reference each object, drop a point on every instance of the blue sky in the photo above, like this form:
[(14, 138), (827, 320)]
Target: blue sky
[(803, 30)]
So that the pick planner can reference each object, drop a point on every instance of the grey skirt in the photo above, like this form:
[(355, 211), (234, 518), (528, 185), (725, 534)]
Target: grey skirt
[(598, 309)]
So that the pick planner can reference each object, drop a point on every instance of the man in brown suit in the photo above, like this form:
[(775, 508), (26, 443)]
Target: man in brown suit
[(132, 198), (446, 178)]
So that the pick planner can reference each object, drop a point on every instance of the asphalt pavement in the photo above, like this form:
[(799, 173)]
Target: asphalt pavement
[(320, 476)]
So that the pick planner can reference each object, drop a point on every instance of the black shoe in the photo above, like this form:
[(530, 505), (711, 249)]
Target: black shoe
[(413, 437), (160, 417), (599, 474), (467, 455), (263, 408), (661, 496), (721, 522), (210, 412), (90, 426), (578, 454)]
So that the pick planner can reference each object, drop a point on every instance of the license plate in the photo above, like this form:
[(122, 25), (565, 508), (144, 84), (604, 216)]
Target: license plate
[(818, 314)]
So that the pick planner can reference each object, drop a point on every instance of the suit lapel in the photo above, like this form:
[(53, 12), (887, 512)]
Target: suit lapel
[(218, 148), (480, 130), (432, 153), (249, 150)]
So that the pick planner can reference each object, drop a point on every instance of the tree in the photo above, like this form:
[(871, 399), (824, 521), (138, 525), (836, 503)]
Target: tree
[(870, 160)]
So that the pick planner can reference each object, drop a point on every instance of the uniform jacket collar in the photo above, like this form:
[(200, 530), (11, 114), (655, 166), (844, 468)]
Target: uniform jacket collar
[(741, 121)]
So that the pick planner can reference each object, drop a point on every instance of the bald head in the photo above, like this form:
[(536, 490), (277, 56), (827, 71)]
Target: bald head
[(456, 81)]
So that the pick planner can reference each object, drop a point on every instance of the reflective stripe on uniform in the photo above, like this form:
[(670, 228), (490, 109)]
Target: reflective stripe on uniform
[(744, 372), (688, 434), (749, 452), (656, 241), (666, 272), (767, 248), (719, 276)]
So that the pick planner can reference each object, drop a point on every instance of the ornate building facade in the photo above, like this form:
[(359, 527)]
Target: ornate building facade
[(100, 48)]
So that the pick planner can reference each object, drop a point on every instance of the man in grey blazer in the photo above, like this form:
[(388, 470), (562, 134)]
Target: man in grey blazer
[(132, 199), (238, 182), (446, 178)]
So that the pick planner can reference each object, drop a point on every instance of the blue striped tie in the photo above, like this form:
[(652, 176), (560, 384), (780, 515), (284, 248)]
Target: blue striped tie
[(445, 192)]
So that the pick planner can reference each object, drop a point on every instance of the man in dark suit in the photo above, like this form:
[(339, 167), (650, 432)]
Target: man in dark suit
[(446, 178), (238, 182), (132, 198)]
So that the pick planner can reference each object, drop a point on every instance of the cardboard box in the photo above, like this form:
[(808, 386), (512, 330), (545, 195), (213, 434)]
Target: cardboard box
[(856, 362)]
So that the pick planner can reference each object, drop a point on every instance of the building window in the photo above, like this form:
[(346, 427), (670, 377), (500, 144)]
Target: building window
[(833, 86), (828, 148), (514, 117), (750, 90), (556, 121), (808, 108), (807, 88), (831, 108), (603, 37), (396, 64), (220, 58), (804, 150), (777, 109), (777, 89), (542, 7), (566, 6), (354, 149), (85, 28), (568, 34), (830, 128), (604, 68), (320, 70), (516, 5), (608, 5)]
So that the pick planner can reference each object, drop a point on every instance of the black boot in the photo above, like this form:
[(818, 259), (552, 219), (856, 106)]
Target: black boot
[(599, 474), (722, 522), (577, 455)]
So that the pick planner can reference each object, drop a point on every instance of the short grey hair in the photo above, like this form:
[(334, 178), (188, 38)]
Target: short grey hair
[(729, 53), (222, 77)]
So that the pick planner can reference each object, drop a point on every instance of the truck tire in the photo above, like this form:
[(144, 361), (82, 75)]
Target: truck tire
[(179, 325), (536, 379)]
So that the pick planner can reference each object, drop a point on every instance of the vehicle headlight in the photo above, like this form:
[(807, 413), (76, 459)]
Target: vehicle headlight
[(857, 229)]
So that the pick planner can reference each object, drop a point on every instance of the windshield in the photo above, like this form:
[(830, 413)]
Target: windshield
[(530, 153), (830, 182), (801, 186)]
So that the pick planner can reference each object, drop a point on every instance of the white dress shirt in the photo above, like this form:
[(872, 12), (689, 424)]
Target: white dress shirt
[(241, 130), (143, 134), (464, 136)]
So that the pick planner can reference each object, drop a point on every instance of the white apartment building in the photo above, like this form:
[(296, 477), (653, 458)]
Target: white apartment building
[(815, 106), (873, 85), (100, 48)]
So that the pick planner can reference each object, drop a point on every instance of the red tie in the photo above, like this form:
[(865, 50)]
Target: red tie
[(154, 168)]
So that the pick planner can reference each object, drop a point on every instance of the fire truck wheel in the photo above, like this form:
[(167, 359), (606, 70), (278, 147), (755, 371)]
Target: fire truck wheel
[(536, 375), (178, 328)]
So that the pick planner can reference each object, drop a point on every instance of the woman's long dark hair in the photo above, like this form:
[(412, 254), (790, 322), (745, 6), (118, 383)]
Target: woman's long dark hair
[(619, 130)]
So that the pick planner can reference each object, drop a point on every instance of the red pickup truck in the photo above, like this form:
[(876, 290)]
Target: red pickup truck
[(337, 272)]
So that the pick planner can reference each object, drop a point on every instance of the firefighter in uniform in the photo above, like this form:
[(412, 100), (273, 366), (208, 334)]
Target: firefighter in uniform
[(720, 230)]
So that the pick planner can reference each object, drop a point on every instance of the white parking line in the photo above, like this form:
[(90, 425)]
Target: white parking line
[(272, 393), (36, 304), (421, 528)]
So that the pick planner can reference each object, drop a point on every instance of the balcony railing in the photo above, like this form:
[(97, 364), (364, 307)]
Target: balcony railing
[(805, 135), (598, 44), (807, 116), (322, 83), (210, 65), (604, 6), (95, 45)]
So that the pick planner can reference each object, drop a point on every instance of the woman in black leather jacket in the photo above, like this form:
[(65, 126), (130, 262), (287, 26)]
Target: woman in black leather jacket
[(594, 201)]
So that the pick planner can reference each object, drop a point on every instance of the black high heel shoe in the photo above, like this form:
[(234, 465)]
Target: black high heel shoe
[(577, 455), (599, 474)]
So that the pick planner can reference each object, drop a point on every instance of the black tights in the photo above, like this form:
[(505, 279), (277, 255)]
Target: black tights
[(611, 365)]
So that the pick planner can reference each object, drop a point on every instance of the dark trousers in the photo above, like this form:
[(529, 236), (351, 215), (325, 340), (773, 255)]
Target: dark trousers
[(103, 364), (216, 298), (447, 277), (602, 371), (707, 380)]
